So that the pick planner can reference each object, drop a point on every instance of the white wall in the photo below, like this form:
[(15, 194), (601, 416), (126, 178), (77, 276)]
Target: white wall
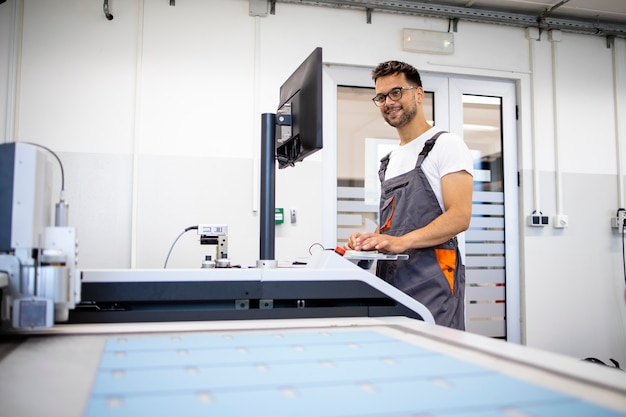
[(156, 115), (575, 275)]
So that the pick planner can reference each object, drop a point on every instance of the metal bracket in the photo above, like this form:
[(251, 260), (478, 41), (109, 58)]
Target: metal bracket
[(610, 41), (455, 23)]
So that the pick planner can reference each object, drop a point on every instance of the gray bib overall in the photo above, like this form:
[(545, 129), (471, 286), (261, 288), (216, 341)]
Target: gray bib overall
[(433, 276)]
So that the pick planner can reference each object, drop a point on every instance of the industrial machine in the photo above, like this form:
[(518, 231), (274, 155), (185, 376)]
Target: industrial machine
[(209, 234), (38, 250), (41, 284), (216, 235)]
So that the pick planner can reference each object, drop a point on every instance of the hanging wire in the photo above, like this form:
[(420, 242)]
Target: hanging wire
[(621, 229), (58, 160), (176, 240), (105, 8)]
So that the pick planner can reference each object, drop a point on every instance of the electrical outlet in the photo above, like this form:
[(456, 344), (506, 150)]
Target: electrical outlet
[(538, 220)]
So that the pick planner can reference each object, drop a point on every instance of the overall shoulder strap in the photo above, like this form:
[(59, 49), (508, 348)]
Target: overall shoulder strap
[(428, 146), (383, 167)]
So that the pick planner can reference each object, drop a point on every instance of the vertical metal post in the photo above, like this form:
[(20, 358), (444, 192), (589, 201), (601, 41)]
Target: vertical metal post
[(268, 186)]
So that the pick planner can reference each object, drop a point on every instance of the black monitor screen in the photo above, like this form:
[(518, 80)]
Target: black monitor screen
[(299, 115)]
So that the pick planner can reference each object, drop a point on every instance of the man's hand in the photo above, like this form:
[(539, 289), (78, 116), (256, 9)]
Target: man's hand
[(377, 241), (351, 243)]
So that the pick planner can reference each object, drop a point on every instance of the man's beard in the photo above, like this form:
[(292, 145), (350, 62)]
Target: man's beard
[(407, 116)]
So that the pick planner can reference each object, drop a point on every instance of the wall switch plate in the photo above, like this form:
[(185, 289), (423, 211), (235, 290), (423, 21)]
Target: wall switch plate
[(561, 221)]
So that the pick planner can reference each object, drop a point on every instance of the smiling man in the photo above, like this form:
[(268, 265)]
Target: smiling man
[(426, 200)]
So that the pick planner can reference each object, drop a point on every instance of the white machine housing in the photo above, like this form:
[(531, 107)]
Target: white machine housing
[(37, 257)]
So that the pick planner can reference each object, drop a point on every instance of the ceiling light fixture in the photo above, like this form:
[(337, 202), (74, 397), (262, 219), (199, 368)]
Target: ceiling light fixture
[(429, 42)]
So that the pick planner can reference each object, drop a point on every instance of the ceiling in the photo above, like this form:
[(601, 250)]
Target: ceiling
[(597, 17)]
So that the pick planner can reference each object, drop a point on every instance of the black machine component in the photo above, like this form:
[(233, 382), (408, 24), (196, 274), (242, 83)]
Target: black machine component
[(7, 163), (122, 302)]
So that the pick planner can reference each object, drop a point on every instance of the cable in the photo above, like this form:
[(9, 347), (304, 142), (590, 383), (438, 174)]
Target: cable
[(58, 160), (176, 240), (105, 8), (622, 229), (620, 294), (316, 244)]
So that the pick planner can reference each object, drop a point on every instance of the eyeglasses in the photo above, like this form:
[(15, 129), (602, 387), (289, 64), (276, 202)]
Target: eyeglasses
[(394, 94)]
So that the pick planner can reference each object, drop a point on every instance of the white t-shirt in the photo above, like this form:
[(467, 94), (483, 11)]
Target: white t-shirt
[(450, 154)]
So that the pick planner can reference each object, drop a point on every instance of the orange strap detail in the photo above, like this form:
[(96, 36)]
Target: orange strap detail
[(387, 224), (447, 262)]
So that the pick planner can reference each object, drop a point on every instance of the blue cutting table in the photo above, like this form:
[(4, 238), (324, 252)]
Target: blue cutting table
[(309, 372)]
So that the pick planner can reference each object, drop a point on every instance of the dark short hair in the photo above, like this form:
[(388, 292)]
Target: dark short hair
[(396, 67)]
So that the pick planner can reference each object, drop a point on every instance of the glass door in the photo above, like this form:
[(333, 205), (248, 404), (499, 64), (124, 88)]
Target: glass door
[(483, 112)]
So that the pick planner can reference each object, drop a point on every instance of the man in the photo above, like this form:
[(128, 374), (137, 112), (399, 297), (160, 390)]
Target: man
[(426, 200)]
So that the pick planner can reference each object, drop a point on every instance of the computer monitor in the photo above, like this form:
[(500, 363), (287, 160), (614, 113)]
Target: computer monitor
[(299, 114)]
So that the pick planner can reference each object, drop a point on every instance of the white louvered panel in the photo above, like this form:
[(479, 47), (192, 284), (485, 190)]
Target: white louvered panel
[(487, 222), (349, 220), (488, 209), (489, 328), (486, 293), (485, 310), (472, 248), (482, 175), (352, 212), (488, 196), (350, 192), (484, 261), (472, 235), (344, 233), (484, 276), (356, 207)]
